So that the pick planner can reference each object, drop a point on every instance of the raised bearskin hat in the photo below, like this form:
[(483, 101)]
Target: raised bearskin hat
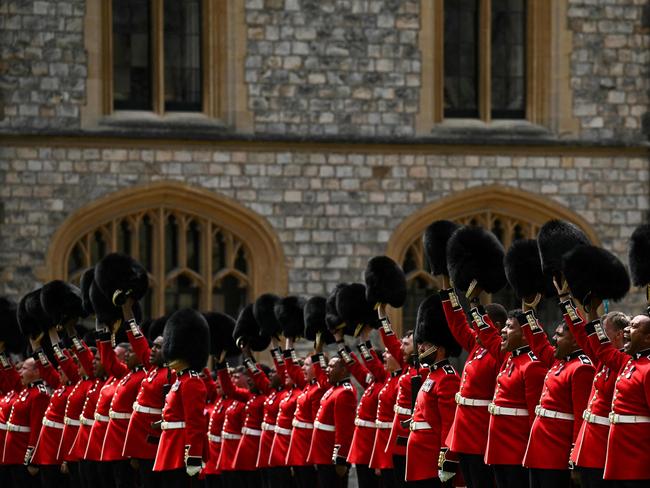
[(32, 319), (264, 312), (435, 241), (187, 338), (332, 318), (524, 270), (247, 331), (221, 329), (119, 276), (62, 301), (10, 334), (314, 313), (431, 326), (639, 255), (555, 239), (156, 327), (592, 271), (474, 253), (385, 282), (354, 309), (87, 279), (107, 313), (289, 313)]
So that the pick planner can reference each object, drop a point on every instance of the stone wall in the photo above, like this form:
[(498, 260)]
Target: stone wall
[(42, 64), (331, 211)]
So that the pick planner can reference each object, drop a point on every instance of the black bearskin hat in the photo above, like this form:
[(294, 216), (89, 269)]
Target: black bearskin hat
[(119, 276), (221, 329), (385, 282), (555, 239), (431, 326), (187, 337), (157, 327), (87, 279), (524, 270), (592, 271), (32, 319), (289, 312), (435, 241), (332, 318), (107, 313), (354, 309), (247, 331), (9, 330), (61, 301), (264, 312), (639, 255), (475, 254), (314, 314)]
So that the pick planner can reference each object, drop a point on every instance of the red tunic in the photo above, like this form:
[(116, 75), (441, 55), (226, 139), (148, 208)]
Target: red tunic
[(230, 435), (86, 419), (120, 414), (6, 402), (47, 449), (271, 408), (27, 415), (215, 426), (283, 426), (98, 430), (183, 411), (432, 418), (73, 408), (9, 377), (387, 397), (334, 425), (469, 431), (518, 386)]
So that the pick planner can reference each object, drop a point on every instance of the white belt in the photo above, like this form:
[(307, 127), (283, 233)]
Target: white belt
[(302, 425), (249, 431), (615, 418), (326, 427), (172, 425), (3, 426), (230, 437), (552, 414), (73, 422), (214, 438), (18, 428), (51, 423), (142, 409), (282, 430), (383, 425), (595, 419), (402, 410), (471, 402), (266, 426), (364, 423), (85, 421), (419, 426), (119, 415), (102, 418), (516, 412)]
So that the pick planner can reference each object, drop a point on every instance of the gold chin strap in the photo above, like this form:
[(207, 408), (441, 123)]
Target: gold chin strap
[(357, 331), (428, 352), (116, 295), (532, 305), (377, 305), (471, 287)]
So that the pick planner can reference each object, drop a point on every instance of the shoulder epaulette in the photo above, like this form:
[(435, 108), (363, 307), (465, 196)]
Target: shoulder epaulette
[(449, 369), (532, 356), (584, 359)]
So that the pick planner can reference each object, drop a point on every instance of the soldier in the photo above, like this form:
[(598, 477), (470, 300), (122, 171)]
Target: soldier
[(433, 413), (181, 448)]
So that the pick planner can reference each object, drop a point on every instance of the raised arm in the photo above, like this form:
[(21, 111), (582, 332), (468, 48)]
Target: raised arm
[(260, 380), (457, 320), (319, 365), (294, 370), (372, 361), (389, 339), (537, 339), (605, 350), (139, 344), (107, 356), (234, 392), (49, 374), (9, 377), (357, 369), (279, 363), (487, 333), (84, 355), (576, 324)]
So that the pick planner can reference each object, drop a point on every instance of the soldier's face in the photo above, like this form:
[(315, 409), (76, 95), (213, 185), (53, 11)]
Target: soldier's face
[(511, 335), (564, 341), (391, 363), (28, 371), (98, 369), (614, 335), (155, 356), (335, 370), (637, 334), (308, 370), (407, 347)]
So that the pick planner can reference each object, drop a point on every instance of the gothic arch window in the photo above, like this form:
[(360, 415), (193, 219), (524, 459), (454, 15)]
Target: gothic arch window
[(201, 250), (511, 214)]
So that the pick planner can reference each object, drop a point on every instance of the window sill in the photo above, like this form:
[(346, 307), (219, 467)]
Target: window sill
[(502, 129), (177, 121)]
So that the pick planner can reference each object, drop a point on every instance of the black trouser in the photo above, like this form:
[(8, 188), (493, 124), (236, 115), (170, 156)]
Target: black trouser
[(107, 477), (428, 483), (93, 475), (148, 477), (74, 477), (550, 478), (305, 476), (366, 476), (123, 473), (178, 478), (476, 473), (231, 479), (214, 481), (51, 476), (388, 478), (399, 468), (243, 479), (593, 478), (328, 478), (632, 483), (510, 475), (280, 477), (21, 478)]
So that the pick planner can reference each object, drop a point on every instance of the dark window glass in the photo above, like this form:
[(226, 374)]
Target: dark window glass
[(146, 242), (508, 59), (497, 229), (124, 237), (182, 46), (97, 247), (218, 252), (131, 55), (229, 297), (182, 293), (171, 244), (76, 261), (240, 261), (461, 58), (194, 246)]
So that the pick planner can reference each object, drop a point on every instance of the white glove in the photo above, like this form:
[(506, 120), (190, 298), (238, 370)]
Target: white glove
[(192, 470), (445, 475)]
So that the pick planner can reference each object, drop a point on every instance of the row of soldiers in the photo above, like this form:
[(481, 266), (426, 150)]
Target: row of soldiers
[(523, 412)]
